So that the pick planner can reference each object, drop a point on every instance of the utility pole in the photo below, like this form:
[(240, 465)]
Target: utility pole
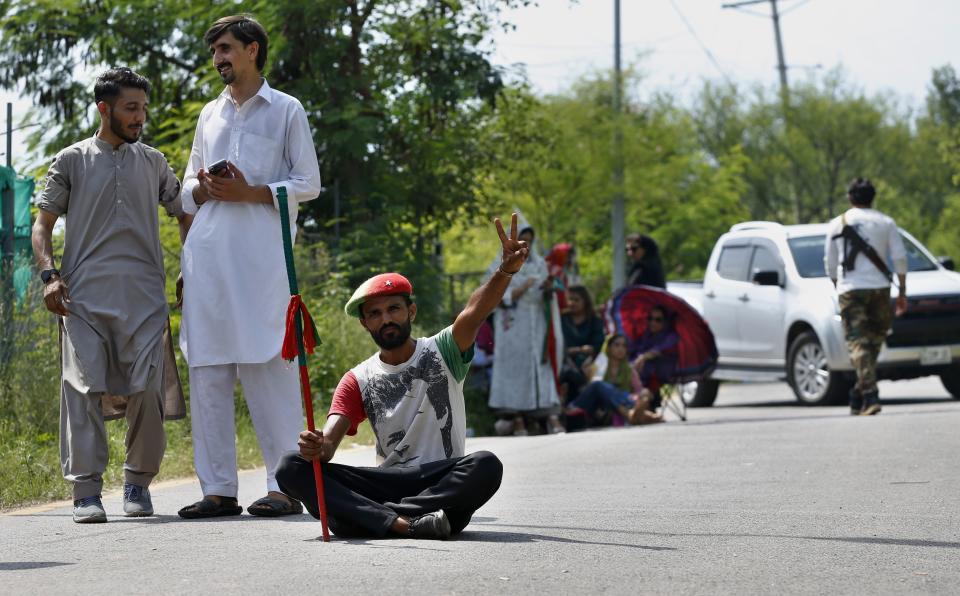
[(781, 61), (8, 216), (618, 212), (6, 263)]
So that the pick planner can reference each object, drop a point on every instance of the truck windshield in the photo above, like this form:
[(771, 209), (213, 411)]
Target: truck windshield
[(808, 255)]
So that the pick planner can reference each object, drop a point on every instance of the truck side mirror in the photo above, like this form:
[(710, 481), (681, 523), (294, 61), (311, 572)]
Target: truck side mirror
[(766, 278), (947, 263)]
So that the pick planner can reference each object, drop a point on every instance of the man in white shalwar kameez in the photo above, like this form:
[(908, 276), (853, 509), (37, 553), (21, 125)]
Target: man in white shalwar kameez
[(235, 289), (523, 383)]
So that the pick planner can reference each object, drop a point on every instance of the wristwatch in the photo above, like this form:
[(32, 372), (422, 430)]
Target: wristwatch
[(47, 274)]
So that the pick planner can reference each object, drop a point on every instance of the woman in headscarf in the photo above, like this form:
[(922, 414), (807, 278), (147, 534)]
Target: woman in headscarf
[(523, 384), (615, 386), (564, 272)]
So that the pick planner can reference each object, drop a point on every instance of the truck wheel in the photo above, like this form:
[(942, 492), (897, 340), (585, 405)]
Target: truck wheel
[(951, 380), (810, 376), (700, 394)]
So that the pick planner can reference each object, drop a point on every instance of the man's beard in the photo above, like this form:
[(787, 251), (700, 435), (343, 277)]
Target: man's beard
[(227, 78), (117, 127), (400, 337)]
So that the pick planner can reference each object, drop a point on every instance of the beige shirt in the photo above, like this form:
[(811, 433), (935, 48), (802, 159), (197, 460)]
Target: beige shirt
[(112, 261)]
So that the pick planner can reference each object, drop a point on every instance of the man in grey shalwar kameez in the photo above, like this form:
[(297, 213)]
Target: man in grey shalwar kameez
[(116, 355)]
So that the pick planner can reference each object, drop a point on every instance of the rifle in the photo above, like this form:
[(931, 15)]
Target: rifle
[(851, 236)]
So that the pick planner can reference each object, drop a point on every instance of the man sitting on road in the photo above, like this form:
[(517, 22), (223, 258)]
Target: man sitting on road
[(412, 392)]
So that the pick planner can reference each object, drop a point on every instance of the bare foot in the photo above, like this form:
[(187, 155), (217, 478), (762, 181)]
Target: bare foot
[(401, 525), (279, 496)]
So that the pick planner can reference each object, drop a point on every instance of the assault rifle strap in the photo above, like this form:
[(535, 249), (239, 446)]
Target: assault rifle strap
[(850, 234)]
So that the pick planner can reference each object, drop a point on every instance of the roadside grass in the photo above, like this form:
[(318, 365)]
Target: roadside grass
[(30, 467), (30, 386)]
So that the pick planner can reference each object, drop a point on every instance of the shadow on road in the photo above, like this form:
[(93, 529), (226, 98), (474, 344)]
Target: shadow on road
[(387, 542), (876, 540), (893, 401), (850, 539), (26, 565), (834, 415), (168, 518), (523, 537), (494, 537)]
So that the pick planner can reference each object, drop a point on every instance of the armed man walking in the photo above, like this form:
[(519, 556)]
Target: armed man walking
[(859, 244)]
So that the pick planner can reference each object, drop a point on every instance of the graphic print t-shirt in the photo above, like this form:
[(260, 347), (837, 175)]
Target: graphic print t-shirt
[(416, 408)]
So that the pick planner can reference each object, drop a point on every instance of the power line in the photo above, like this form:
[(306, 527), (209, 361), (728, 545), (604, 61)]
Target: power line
[(794, 7), (703, 46), (778, 39), (775, 14), (21, 127)]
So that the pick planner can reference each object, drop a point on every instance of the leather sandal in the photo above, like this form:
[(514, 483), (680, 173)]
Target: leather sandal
[(271, 507), (207, 507)]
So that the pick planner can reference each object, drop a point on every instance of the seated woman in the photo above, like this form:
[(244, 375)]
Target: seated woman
[(655, 353), (615, 386), (582, 338)]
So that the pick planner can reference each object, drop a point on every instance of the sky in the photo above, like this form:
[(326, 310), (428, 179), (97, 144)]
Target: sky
[(883, 45)]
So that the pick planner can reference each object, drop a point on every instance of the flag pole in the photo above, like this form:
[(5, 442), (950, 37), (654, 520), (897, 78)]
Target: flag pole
[(301, 325)]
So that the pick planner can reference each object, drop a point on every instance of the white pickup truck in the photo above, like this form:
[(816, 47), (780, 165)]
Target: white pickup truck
[(775, 316)]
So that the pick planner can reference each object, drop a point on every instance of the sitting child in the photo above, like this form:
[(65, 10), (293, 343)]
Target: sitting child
[(615, 385)]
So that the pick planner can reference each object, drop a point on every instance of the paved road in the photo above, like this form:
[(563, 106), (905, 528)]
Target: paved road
[(755, 495)]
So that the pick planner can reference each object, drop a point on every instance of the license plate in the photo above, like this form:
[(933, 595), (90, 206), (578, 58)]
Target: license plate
[(938, 355)]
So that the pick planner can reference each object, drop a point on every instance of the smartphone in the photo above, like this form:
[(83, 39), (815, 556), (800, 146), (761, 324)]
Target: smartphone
[(217, 168)]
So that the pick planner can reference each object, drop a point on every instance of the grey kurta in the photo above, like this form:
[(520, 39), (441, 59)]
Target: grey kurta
[(113, 267)]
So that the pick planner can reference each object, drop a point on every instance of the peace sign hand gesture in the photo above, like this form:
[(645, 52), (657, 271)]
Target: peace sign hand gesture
[(514, 251)]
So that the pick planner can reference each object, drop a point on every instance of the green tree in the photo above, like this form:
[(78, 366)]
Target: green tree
[(395, 91), (554, 160), (800, 162), (940, 128)]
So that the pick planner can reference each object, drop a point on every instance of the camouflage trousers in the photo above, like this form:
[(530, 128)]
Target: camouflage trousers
[(867, 316)]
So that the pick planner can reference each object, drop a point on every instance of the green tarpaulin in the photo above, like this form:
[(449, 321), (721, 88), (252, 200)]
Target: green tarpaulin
[(22, 193)]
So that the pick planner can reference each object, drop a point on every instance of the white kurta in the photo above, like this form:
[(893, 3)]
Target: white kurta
[(522, 377), (235, 283)]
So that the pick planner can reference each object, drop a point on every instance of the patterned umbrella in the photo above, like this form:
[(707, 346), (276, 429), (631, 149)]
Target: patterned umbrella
[(626, 312), (300, 338)]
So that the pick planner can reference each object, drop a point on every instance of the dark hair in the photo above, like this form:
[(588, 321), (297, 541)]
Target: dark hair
[(527, 229), (108, 85), (861, 192), (662, 310), (650, 248), (584, 294), (614, 337), (648, 244), (245, 29), (406, 298)]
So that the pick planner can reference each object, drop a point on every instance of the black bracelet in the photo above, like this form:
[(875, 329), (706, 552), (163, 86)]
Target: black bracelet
[(500, 270)]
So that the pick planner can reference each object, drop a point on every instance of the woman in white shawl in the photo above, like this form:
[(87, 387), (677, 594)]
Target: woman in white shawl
[(523, 381)]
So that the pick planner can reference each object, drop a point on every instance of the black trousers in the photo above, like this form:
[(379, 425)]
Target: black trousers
[(364, 502)]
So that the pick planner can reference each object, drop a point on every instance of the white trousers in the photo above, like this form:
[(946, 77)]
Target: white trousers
[(272, 393)]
